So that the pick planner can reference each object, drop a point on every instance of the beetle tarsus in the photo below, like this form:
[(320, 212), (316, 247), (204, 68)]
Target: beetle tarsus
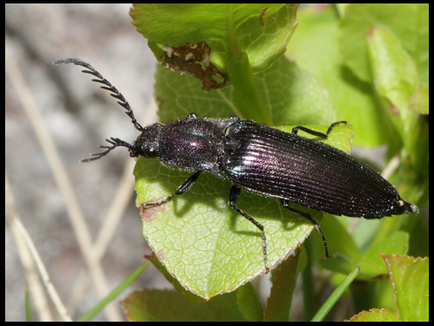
[(233, 197), (285, 204)]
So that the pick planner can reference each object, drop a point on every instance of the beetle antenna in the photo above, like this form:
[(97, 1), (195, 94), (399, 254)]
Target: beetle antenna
[(108, 86), (116, 142)]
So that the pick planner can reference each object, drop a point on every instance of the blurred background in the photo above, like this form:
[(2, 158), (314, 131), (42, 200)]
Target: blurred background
[(77, 116)]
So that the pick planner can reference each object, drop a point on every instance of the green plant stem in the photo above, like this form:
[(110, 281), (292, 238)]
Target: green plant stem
[(248, 99)]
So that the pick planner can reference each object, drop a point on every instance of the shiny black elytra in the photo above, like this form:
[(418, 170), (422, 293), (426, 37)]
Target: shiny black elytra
[(262, 160)]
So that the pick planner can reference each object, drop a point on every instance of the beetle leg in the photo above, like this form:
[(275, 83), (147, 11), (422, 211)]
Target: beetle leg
[(316, 133), (181, 189), (285, 205), (233, 197)]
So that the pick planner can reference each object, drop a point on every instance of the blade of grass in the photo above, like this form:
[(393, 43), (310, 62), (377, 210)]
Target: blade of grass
[(114, 294), (27, 301), (330, 302), (40, 301)]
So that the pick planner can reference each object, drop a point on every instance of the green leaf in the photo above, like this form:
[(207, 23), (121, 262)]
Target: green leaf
[(294, 96), (262, 31), (409, 277), (419, 101), (409, 22), (178, 286), (396, 80), (249, 304), (375, 315), (371, 264), (284, 281), (346, 255), (342, 248), (164, 305), (394, 72)]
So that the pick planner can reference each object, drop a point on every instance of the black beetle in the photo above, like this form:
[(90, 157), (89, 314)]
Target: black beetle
[(262, 160)]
